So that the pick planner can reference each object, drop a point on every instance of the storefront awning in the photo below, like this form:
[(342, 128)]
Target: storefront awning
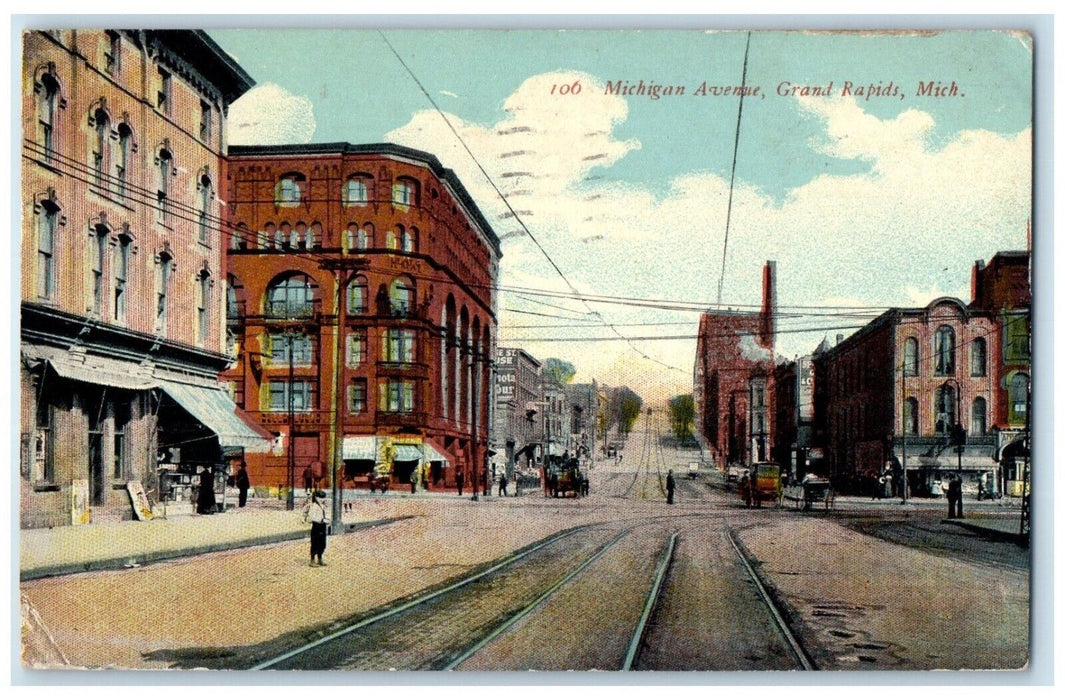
[(101, 371), (431, 454), (216, 411), (408, 453), (359, 447)]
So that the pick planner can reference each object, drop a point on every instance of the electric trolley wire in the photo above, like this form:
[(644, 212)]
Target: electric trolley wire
[(732, 179)]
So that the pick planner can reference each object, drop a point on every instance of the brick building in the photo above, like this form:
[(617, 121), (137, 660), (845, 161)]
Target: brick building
[(122, 334), (384, 244), (733, 379), (794, 410)]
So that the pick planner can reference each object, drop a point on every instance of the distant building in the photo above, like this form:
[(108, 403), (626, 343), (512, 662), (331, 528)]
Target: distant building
[(794, 404), (733, 379), (123, 282), (516, 434), (583, 401), (384, 243)]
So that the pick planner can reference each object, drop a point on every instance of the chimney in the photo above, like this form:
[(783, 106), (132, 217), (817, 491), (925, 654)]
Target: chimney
[(974, 284), (769, 304)]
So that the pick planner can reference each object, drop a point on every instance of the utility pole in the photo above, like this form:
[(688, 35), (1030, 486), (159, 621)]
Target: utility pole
[(290, 499)]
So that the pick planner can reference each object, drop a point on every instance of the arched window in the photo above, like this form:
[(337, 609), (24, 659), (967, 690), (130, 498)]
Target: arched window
[(164, 265), (203, 303), (408, 242), (910, 357), (47, 101), (291, 297), (978, 425), (233, 306), (358, 296), (101, 153), (238, 239), (125, 144), (946, 409), (288, 191), (121, 276), (205, 196), (909, 416), (98, 254), (47, 226), (349, 237), (979, 358), (165, 163), (401, 295), (314, 235), (1018, 398), (356, 190), (283, 236), (365, 239), (390, 240), (944, 351), (405, 193)]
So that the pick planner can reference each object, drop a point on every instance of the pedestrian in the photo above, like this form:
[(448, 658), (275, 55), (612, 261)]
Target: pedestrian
[(205, 503), (957, 495), (487, 483), (502, 484), (243, 484), (671, 485), (414, 480), (315, 512), (307, 479), (952, 499), (459, 480)]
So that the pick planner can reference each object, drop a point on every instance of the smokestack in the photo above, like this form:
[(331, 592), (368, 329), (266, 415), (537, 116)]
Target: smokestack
[(974, 283), (769, 304)]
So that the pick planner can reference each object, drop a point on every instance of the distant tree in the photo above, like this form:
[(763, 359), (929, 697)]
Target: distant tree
[(559, 371), (628, 405), (682, 416)]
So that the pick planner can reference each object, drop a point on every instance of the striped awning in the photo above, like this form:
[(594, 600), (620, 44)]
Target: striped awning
[(91, 369), (408, 453), (216, 411), (432, 455)]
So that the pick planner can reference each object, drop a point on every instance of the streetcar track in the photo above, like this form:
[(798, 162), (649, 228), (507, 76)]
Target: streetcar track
[(792, 642), (651, 604)]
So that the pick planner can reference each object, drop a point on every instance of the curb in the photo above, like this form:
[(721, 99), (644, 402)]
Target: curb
[(118, 563)]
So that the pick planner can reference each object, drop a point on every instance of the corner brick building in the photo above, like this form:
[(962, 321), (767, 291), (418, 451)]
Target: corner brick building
[(733, 379), (383, 243)]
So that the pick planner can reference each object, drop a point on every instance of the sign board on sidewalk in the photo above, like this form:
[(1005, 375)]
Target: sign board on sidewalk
[(141, 509)]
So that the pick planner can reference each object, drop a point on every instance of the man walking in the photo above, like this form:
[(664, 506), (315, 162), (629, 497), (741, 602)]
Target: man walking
[(459, 480), (243, 484), (503, 484), (315, 512), (671, 485)]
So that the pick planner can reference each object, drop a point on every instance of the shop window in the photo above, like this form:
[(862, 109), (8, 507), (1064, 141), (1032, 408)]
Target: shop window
[(944, 351)]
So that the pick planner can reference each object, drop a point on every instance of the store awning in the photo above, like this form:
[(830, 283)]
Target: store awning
[(408, 453), (216, 411), (101, 371), (431, 454), (359, 447)]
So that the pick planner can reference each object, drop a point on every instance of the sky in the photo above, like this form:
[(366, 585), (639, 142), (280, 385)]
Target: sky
[(865, 199)]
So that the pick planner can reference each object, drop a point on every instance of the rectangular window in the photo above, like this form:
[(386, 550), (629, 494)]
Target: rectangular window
[(302, 352), (1016, 348), (121, 423), (113, 53), (43, 470), (162, 282), (203, 296), (397, 397), (399, 346), (121, 271), (46, 223), (357, 396), (356, 350), (279, 396), (163, 96), (205, 121), (99, 249)]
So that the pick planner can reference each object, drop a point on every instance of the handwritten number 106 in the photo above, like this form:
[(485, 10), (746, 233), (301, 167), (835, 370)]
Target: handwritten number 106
[(573, 89)]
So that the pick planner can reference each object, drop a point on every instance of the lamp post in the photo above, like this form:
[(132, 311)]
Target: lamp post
[(290, 499)]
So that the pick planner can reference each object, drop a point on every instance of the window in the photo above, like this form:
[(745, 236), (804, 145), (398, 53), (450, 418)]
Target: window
[(165, 163), (1016, 347), (390, 240), (47, 222), (203, 306), (162, 100), (408, 242), (945, 409), (43, 465), (1018, 398), (113, 53), (909, 417), (47, 100), (98, 254), (358, 296), (979, 358), (287, 191), (205, 121), (355, 192), (978, 425), (121, 275), (163, 268), (101, 147), (233, 310), (909, 362), (356, 348), (125, 141), (944, 351), (364, 239), (278, 394), (401, 295), (396, 397), (206, 195), (120, 419), (398, 345), (357, 396), (404, 193), (292, 297), (283, 345)]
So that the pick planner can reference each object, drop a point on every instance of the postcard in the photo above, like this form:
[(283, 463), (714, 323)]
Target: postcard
[(525, 350)]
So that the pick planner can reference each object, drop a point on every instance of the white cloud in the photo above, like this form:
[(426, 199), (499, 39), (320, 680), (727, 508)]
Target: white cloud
[(270, 115), (916, 220)]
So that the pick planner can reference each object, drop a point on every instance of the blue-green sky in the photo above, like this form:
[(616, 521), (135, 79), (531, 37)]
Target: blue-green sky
[(878, 202)]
